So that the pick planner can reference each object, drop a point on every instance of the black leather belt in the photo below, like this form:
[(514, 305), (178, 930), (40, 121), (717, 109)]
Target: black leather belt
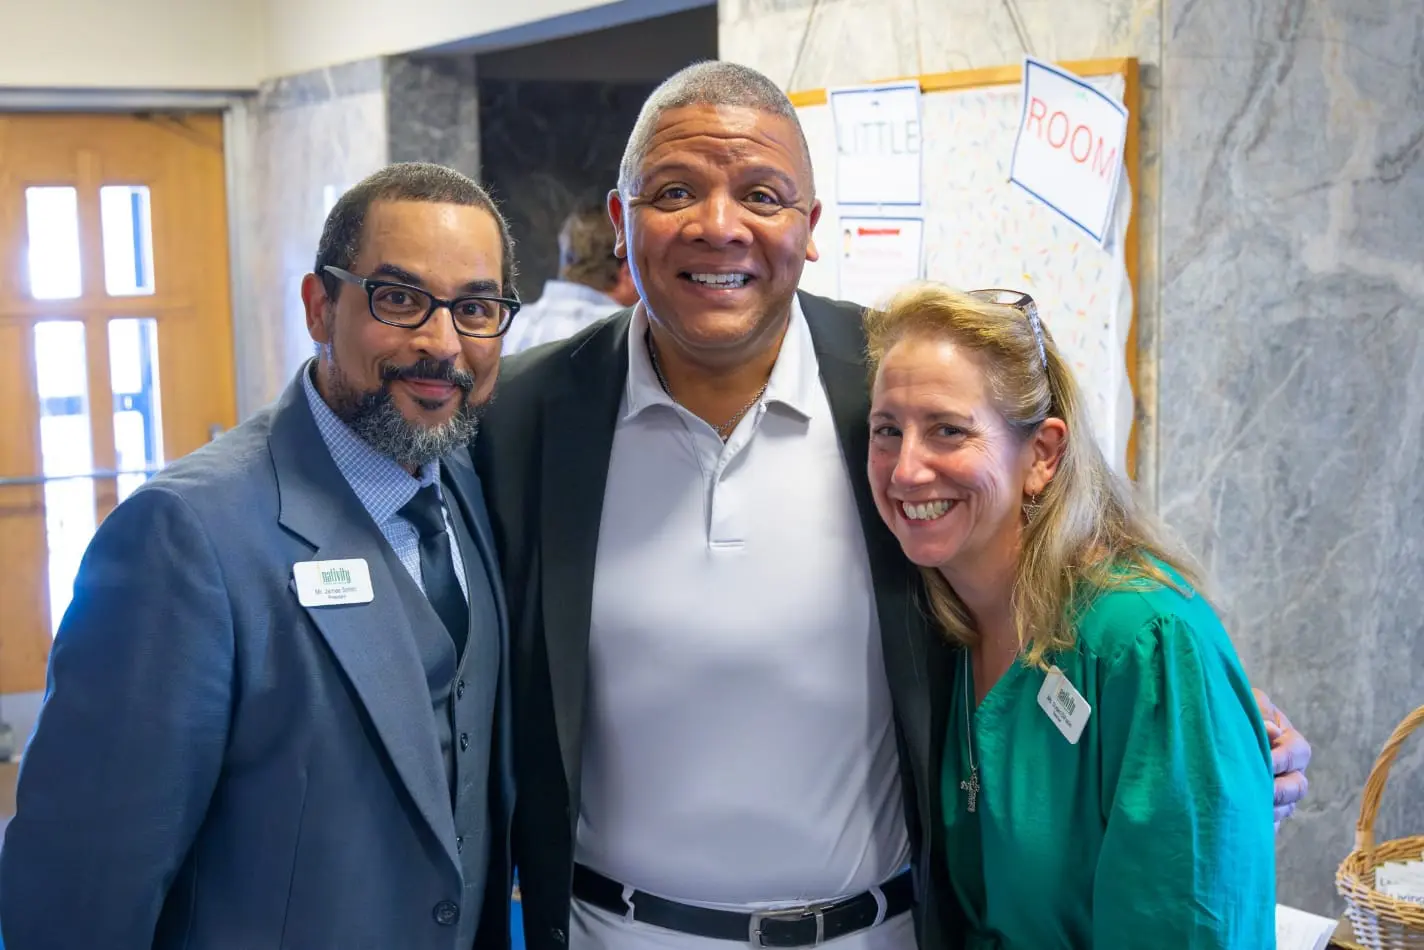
[(807, 926)]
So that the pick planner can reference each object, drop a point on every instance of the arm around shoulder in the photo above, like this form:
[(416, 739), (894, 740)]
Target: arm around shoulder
[(129, 743), (1188, 853)]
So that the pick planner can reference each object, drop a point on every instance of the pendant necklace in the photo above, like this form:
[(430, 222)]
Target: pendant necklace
[(724, 431), (970, 785)]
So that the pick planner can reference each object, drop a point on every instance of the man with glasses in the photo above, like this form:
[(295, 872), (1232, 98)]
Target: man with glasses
[(277, 711)]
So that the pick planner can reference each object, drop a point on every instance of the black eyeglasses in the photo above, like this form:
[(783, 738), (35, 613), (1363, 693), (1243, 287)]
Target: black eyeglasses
[(401, 305), (1024, 304)]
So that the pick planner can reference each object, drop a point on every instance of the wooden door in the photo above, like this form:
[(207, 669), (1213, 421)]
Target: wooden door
[(115, 339)]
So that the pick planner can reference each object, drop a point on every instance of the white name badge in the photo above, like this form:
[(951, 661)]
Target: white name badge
[(1064, 705), (333, 583)]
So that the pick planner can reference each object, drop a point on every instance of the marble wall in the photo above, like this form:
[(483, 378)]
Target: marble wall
[(807, 44), (1280, 323), (548, 147), (433, 111), (310, 137), (1292, 373)]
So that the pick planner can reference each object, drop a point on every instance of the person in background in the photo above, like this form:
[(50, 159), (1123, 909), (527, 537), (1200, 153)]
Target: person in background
[(1106, 775), (593, 282), (730, 711), (277, 709)]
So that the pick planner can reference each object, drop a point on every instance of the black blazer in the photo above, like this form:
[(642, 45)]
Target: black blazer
[(543, 457)]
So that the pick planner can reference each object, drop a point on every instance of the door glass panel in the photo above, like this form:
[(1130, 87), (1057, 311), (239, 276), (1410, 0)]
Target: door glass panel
[(52, 216), (133, 373), (128, 240), (66, 450)]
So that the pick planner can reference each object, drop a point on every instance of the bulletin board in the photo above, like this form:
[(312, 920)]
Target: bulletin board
[(981, 231)]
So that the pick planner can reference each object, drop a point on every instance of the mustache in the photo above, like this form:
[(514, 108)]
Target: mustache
[(442, 371)]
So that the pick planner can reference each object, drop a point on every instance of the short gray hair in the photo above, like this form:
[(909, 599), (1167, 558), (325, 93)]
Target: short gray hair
[(711, 83)]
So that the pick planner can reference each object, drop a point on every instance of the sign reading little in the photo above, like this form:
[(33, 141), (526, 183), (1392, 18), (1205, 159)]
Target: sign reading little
[(1069, 149), (878, 144)]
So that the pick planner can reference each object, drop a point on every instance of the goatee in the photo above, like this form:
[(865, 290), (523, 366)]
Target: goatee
[(374, 416)]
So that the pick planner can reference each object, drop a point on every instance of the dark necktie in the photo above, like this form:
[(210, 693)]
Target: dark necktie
[(437, 566)]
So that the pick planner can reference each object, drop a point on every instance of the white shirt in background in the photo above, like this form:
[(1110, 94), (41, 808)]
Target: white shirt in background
[(739, 747), (563, 310)]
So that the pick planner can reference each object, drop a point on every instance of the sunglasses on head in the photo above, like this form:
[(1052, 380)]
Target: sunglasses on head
[(1024, 304)]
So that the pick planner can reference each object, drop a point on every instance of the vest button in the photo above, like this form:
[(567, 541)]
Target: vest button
[(557, 934), (459, 843), (464, 741), (446, 913), (460, 690)]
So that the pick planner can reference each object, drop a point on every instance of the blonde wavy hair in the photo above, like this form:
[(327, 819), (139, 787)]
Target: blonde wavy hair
[(1087, 533)]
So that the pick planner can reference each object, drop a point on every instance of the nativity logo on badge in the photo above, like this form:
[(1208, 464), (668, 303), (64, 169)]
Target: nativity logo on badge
[(332, 583), (336, 575)]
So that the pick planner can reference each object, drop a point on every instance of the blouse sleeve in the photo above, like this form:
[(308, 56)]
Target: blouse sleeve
[(1188, 852)]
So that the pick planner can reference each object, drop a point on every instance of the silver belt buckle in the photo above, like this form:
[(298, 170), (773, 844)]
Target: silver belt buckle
[(790, 914)]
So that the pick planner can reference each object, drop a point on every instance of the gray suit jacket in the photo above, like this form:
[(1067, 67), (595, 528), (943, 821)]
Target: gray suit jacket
[(217, 766)]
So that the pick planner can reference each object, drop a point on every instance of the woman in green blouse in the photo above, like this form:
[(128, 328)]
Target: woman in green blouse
[(1107, 775)]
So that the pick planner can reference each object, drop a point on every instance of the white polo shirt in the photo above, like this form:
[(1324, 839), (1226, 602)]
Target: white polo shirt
[(739, 747)]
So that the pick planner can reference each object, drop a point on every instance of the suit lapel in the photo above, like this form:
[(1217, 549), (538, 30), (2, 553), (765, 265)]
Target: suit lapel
[(577, 427), (464, 487), (468, 497), (915, 656), (372, 642)]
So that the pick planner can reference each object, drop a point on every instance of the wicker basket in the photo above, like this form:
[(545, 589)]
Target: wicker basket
[(1381, 922)]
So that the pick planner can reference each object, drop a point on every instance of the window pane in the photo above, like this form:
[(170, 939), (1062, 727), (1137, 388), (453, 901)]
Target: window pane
[(133, 373), (52, 215), (128, 240), (65, 449)]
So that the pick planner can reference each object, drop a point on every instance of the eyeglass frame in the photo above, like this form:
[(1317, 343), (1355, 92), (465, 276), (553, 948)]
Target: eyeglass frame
[(371, 285), (1025, 305)]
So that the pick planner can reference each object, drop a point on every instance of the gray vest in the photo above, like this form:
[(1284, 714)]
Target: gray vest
[(462, 699)]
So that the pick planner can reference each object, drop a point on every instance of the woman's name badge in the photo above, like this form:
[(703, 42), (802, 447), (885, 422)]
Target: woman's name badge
[(333, 583), (1064, 705)]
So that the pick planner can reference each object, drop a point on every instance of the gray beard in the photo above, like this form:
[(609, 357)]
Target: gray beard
[(374, 416)]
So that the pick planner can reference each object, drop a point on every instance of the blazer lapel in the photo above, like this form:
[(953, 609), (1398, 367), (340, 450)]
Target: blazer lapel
[(915, 655), (468, 497), (577, 426), (372, 642), (464, 486)]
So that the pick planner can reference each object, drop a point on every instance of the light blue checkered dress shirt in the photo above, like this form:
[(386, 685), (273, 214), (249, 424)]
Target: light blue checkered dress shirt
[(382, 486)]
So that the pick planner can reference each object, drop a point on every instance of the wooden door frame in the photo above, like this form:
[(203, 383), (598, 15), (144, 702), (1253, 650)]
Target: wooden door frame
[(234, 108), (20, 710)]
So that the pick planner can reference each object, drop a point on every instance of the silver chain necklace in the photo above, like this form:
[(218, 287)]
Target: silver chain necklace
[(724, 431), (971, 784)]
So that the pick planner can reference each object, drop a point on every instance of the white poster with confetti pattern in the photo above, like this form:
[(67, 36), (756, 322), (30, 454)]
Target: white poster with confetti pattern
[(981, 231)]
